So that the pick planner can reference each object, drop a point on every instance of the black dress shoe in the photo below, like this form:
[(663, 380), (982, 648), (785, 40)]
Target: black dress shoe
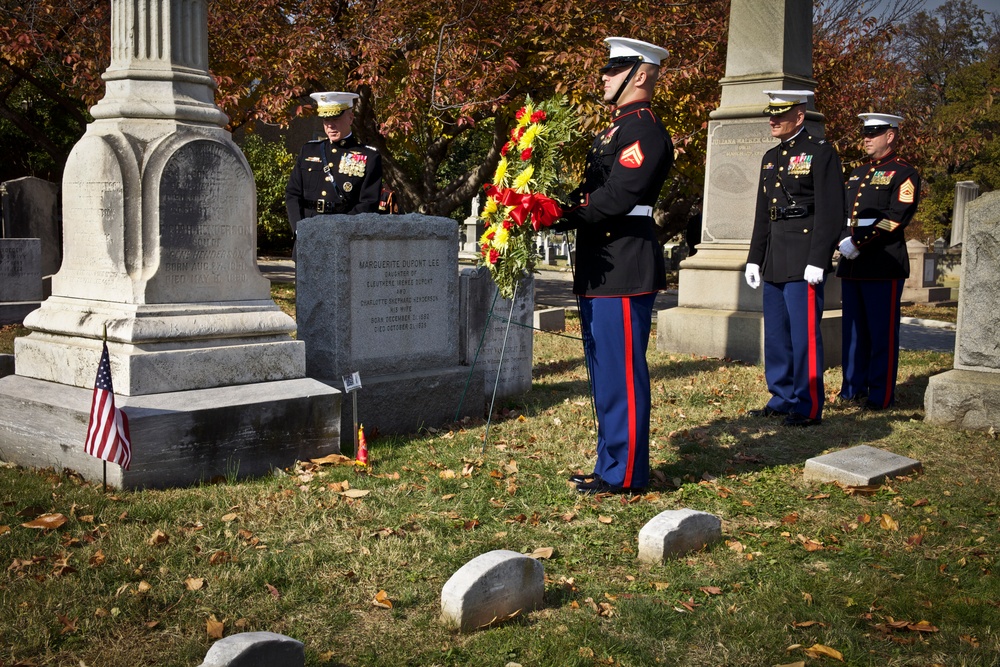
[(766, 411), (580, 478), (598, 485), (857, 399), (868, 406), (796, 419)]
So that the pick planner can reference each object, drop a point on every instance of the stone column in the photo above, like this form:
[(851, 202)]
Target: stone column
[(718, 315), (965, 193), (160, 220), (968, 396)]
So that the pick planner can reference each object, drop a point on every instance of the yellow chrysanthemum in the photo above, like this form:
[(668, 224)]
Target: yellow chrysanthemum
[(489, 236), (522, 180), (528, 138), (526, 116), (489, 208), (500, 175), (500, 240)]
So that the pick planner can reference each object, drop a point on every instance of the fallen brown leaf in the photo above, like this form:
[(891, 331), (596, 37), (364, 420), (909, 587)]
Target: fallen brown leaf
[(214, 627), (605, 519), (382, 600), (158, 538), (232, 516), (818, 650), (194, 583), (69, 624), (46, 522), (355, 493), (542, 552), (333, 459), (888, 523), (711, 590), (273, 591)]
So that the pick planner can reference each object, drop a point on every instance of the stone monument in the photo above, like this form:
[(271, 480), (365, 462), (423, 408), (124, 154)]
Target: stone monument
[(921, 286), (159, 251), (503, 353), (379, 296), (472, 229), (968, 396), (718, 315)]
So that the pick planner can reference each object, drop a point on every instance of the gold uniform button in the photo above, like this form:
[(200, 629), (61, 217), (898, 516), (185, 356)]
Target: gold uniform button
[(805, 231), (784, 152), (608, 234), (781, 168), (774, 201), (323, 193)]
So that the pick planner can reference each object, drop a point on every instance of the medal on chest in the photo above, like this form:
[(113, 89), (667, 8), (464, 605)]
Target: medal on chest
[(353, 164), (800, 165), (882, 177)]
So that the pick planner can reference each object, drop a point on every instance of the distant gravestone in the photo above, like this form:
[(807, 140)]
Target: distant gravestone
[(20, 279), (675, 532), (968, 396), (504, 350), (921, 286), (473, 228), (965, 193), (381, 299), (31, 211)]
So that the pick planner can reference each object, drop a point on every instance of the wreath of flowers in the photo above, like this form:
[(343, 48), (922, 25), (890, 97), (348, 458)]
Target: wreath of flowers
[(521, 199)]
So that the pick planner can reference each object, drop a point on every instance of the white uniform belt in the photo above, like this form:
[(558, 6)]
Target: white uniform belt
[(644, 211)]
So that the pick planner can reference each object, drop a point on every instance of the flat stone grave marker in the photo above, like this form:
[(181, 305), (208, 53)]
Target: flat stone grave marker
[(859, 466), (491, 588)]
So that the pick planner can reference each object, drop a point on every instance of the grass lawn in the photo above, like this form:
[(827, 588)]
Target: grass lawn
[(898, 575)]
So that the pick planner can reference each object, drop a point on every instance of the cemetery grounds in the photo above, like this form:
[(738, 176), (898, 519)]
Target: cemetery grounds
[(352, 563)]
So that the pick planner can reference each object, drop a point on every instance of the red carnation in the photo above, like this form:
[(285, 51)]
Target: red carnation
[(526, 154), (507, 224), (538, 116), (494, 256), (505, 149), (520, 113)]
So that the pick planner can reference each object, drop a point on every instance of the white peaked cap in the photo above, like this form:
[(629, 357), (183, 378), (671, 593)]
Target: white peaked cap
[(781, 101), (880, 119), (630, 49), (333, 104)]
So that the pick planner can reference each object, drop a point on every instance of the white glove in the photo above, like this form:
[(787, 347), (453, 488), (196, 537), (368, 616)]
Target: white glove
[(848, 249), (814, 275), (753, 275)]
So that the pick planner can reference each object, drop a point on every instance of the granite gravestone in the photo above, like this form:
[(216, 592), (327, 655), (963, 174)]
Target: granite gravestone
[(921, 286), (380, 297), (20, 278), (31, 211), (503, 353), (968, 396), (159, 251), (718, 315)]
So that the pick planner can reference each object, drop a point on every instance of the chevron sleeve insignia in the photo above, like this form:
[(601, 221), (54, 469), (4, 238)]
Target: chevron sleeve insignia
[(631, 157), (887, 225), (906, 192)]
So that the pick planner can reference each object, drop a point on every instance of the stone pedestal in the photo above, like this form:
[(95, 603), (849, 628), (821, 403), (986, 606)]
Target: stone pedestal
[(159, 255), (969, 395), (770, 48), (380, 297)]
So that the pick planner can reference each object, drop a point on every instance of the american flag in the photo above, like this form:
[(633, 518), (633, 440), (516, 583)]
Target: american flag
[(107, 435)]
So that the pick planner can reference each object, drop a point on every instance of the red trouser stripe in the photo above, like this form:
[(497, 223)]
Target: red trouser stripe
[(630, 389), (890, 366), (813, 353)]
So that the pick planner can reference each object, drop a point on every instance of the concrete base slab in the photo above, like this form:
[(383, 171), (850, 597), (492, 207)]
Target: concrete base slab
[(178, 438), (732, 334), (14, 312), (926, 294), (406, 402), (964, 399), (859, 466)]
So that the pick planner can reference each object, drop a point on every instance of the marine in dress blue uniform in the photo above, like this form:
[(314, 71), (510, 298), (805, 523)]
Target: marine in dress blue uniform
[(335, 174), (797, 222), (882, 197), (619, 263)]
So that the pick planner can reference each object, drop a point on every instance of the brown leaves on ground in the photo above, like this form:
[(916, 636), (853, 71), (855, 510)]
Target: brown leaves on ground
[(194, 583), (891, 625), (822, 651), (158, 538), (542, 552), (382, 600)]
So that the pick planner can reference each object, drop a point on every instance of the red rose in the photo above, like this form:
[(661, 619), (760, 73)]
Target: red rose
[(507, 224), (538, 116), (526, 154)]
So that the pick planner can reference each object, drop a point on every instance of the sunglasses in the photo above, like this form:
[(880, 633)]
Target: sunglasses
[(874, 130)]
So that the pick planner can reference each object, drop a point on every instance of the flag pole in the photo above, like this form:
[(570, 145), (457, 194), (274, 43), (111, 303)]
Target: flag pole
[(104, 490)]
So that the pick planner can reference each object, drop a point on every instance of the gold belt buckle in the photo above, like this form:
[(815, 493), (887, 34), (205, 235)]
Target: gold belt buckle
[(774, 213), (320, 205)]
